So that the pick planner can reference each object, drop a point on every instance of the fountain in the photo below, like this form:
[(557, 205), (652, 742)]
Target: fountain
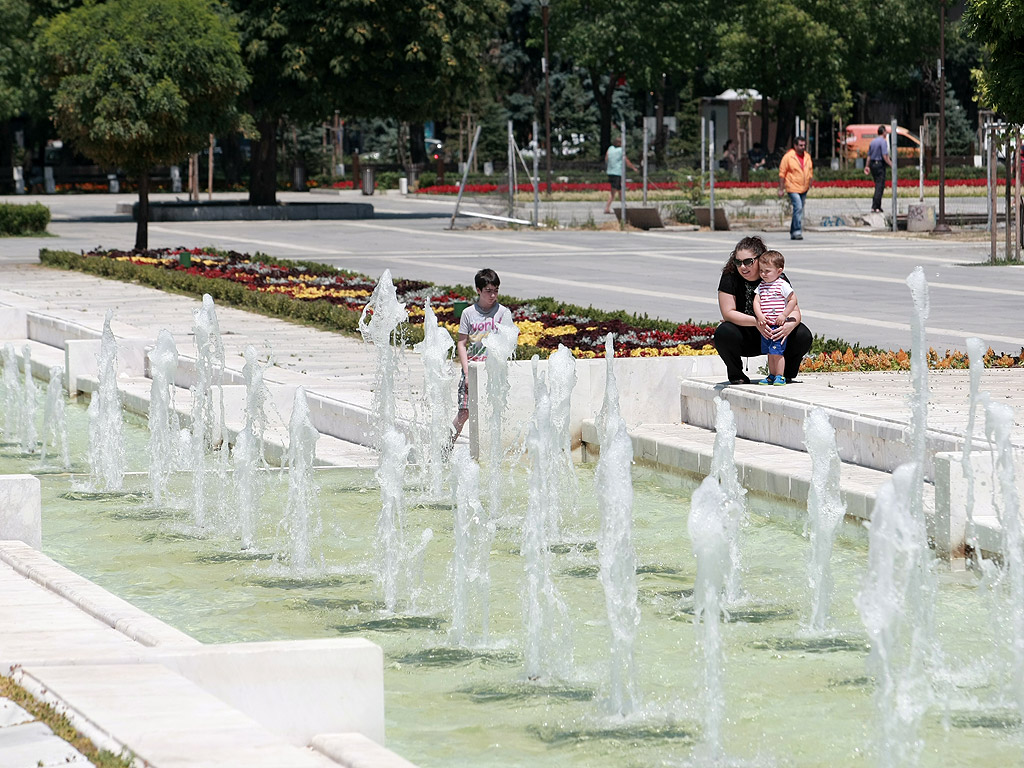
[(301, 520), (164, 426), (976, 354), (13, 400), (106, 431), (248, 456), (208, 432), (435, 351), (998, 424), (379, 324), (390, 539), (547, 649), (628, 541), (614, 488), (898, 560), (500, 345), (561, 381), (29, 437), (707, 528), (825, 513), (723, 468), (473, 535), (55, 421)]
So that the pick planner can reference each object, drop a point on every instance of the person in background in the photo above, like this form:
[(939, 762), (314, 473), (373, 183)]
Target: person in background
[(757, 156), (729, 162), (878, 159), (615, 160), (796, 176)]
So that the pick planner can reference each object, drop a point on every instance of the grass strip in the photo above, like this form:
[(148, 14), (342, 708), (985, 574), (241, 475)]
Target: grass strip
[(61, 726)]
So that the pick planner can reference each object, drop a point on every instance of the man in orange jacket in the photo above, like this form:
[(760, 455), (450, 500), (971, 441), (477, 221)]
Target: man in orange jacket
[(796, 175)]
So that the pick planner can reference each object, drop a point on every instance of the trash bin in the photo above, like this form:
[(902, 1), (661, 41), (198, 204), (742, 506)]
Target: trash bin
[(367, 179)]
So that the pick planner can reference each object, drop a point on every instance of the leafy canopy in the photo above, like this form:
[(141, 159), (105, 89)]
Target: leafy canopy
[(408, 59), (999, 26), (138, 83)]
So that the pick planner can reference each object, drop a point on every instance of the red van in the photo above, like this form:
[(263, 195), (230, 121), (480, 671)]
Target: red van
[(857, 138)]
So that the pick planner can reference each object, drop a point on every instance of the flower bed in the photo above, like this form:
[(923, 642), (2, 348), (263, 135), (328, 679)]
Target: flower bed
[(884, 360), (543, 330)]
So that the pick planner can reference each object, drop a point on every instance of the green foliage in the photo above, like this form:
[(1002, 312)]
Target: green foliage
[(681, 212), (959, 134), (388, 179), (821, 345), (23, 219), (999, 26), (16, 58), (139, 83), (60, 725), (304, 146), (784, 50), (427, 179)]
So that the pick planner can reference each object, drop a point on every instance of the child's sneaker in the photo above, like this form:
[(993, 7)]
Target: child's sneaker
[(780, 381), (767, 380)]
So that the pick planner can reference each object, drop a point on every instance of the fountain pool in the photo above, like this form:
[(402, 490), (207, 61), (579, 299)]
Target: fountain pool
[(788, 699)]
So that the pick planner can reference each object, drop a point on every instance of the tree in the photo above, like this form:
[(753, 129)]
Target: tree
[(626, 44), (139, 83), (999, 26), (16, 91), (412, 60), (780, 49)]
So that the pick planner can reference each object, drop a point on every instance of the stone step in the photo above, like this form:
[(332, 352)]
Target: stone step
[(872, 432), (762, 468)]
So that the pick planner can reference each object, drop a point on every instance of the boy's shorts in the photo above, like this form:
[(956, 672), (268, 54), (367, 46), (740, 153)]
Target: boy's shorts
[(463, 393), (770, 347)]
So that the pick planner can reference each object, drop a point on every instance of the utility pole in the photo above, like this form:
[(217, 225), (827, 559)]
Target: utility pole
[(547, 93), (941, 225)]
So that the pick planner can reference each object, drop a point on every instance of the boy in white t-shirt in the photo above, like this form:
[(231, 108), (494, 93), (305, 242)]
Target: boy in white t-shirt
[(773, 303), (476, 322)]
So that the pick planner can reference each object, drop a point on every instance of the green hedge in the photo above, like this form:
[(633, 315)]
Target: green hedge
[(28, 219)]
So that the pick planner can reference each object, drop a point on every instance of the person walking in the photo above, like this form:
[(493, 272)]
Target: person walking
[(615, 160), (878, 159), (796, 176)]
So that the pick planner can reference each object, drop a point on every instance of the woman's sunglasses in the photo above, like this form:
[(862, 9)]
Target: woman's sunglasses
[(743, 262)]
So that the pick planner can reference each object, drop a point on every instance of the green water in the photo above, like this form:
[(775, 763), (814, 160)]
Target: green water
[(789, 701)]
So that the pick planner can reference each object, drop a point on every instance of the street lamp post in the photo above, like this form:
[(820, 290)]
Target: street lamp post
[(940, 225), (547, 94)]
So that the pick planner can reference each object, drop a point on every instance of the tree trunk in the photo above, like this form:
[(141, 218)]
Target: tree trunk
[(142, 223), (263, 168), (603, 98), (417, 150), (765, 123), (785, 116)]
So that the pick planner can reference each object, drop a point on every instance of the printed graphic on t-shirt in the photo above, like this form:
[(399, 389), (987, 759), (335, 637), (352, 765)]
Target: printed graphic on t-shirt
[(476, 325)]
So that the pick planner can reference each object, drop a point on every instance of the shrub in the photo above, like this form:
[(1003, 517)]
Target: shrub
[(23, 219), (427, 179), (388, 179)]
